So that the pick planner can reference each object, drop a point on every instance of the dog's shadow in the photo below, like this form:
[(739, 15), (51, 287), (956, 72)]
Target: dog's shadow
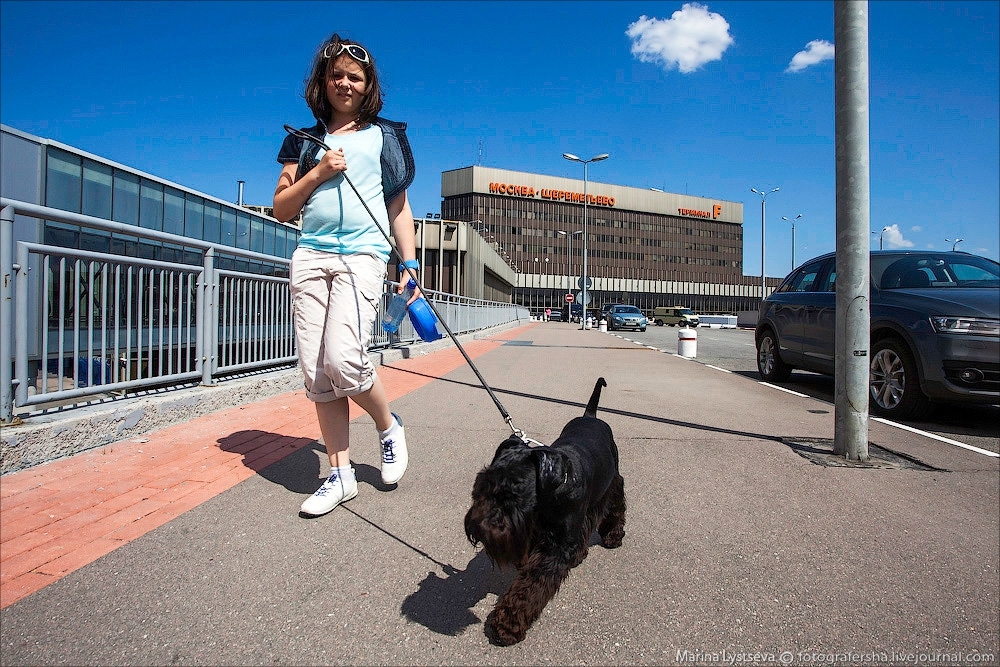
[(444, 604)]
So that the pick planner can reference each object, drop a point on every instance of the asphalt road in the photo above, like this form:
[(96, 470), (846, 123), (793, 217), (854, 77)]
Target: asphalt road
[(733, 350)]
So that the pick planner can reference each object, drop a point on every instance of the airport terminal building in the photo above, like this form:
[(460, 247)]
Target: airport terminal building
[(644, 247)]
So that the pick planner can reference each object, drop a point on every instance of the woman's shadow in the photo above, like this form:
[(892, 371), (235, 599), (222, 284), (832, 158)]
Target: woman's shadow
[(294, 463), (444, 604)]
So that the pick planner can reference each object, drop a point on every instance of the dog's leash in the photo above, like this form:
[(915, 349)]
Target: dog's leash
[(413, 276)]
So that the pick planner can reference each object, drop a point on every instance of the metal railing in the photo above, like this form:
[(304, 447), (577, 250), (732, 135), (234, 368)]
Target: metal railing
[(77, 324)]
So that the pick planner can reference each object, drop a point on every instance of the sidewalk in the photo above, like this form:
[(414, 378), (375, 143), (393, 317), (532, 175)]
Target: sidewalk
[(185, 546)]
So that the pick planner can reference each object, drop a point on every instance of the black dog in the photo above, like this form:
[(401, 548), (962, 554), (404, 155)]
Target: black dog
[(536, 507)]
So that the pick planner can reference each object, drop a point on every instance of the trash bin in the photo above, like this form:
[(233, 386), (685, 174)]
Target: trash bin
[(687, 343), (88, 372)]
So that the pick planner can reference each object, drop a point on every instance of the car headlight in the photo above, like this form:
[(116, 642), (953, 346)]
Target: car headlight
[(979, 326)]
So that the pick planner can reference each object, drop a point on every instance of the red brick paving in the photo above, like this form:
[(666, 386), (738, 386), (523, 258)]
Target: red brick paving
[(59, 516)]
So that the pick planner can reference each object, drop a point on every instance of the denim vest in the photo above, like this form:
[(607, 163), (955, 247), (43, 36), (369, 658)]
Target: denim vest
[(398, 169)]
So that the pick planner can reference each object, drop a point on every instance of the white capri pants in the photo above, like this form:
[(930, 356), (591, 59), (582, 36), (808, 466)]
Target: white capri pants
[(335, 300)]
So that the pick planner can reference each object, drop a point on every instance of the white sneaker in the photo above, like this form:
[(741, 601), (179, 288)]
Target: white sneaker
[(335, 490), (394, 455)]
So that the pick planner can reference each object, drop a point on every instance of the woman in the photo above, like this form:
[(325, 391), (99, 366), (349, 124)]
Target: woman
[(338, 268)]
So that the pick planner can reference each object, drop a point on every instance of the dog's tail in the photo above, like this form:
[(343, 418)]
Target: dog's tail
[(595, 398)]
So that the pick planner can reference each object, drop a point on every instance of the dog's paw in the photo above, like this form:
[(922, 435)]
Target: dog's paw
[(499, 633), (613, 540)]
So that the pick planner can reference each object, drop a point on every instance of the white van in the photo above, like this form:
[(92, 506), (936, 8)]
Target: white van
[(674, 315)]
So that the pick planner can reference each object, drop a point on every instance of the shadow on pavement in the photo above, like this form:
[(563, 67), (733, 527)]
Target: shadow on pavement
[(444, 604), (613, 411)]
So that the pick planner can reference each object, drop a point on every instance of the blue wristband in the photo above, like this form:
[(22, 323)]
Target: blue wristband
[(412, 264)]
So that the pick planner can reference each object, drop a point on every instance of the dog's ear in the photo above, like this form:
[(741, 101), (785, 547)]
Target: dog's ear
[(554, 468), (510, 443)]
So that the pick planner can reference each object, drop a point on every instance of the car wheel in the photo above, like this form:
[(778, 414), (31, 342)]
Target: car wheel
[(893, 382), (769, 363), (643, 329)]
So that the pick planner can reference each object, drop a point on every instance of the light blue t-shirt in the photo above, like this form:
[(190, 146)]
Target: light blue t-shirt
[(333, 219)]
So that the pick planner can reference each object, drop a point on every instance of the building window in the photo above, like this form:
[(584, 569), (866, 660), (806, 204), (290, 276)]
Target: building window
[(194, 217), (228, 230), (151, 205), (97, 189), (213, 222), (125, 207), (242, 231), (63, 178), (256, 234), (173, 211), (269, 231)]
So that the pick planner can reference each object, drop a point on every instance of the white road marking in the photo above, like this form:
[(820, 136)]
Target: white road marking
[(718, 369), (937, 437), (787, 391)]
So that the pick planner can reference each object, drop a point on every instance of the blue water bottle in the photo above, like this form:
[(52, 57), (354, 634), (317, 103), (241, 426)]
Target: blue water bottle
[(396, 311)]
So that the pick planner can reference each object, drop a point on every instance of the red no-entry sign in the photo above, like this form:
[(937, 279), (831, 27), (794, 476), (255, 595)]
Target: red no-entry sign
[(569, 298)]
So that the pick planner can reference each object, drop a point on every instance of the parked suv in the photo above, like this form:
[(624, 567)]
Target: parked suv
[(674, 315), (935, 328)]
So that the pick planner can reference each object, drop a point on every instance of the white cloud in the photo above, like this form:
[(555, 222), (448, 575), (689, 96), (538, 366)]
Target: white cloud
[(691, 37), (894, 238), (916, 228), (815, 52)]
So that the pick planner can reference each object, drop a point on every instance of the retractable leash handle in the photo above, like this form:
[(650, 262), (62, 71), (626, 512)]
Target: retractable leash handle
[(413, 275)]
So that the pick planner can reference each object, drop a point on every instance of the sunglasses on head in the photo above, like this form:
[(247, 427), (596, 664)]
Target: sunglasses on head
[(355, 51)]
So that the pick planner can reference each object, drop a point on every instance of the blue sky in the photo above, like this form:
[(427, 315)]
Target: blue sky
[(707, 99)]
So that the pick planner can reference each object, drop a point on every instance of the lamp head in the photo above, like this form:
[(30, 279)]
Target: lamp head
[(598, 158), (570, 156)]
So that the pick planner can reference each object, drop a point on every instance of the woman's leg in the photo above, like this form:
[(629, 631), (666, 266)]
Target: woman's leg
[(376, 404), (334, 424)]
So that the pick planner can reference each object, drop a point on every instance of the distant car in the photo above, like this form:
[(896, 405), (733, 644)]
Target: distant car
[(555, 316), (935, 328), (626, 317)]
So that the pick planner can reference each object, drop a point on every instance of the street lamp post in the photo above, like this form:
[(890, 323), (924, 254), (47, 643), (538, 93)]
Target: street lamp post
[(954, 244), (793, 235), (763, 279), (569, 256), (583, 278), (881, 236)]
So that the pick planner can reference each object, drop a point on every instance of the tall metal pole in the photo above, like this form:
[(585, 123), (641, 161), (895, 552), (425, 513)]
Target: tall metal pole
[(853, 313), (583, 277), (793, 235), (763, 278), (583, 287)]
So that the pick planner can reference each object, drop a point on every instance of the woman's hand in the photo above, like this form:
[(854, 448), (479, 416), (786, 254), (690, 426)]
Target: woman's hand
[(403, 279), (293, 192), (331, 164)]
